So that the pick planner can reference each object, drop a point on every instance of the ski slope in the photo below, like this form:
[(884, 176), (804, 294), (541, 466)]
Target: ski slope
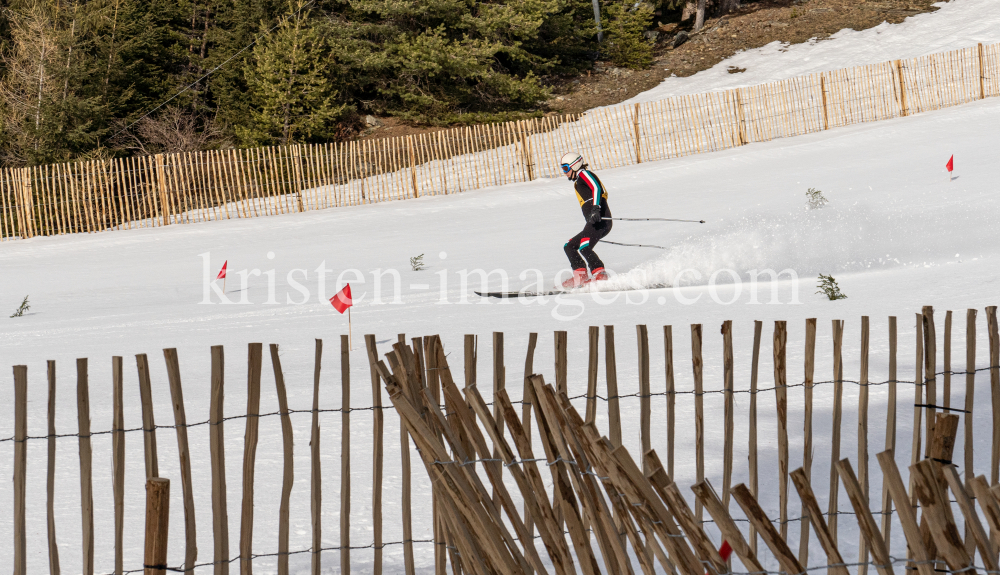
[(897, 234)]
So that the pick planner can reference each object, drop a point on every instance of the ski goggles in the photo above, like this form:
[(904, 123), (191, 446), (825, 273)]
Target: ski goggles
[(566, 168)]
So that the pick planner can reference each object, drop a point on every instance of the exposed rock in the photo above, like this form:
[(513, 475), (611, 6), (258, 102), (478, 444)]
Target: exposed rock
[(372, 121), (680, 38)]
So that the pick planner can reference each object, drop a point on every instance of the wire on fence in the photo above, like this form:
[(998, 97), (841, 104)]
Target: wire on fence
[(520, 402)]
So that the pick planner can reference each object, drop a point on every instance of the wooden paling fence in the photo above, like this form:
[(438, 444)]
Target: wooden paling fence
[(604, 498), (159, 190)]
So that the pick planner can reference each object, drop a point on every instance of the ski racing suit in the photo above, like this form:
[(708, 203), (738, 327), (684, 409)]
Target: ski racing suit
[(593, 198)]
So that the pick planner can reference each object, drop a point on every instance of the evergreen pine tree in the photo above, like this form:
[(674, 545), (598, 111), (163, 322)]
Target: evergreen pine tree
[(624, 43), (293, 97)]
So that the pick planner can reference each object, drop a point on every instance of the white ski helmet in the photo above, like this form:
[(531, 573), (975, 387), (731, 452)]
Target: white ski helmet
[(571, 163)]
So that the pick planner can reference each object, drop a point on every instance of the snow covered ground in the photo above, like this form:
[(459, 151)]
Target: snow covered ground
[(897, 234), (957, 24)]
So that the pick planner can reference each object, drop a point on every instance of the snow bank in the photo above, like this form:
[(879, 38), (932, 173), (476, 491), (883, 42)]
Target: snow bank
[(956, 24)]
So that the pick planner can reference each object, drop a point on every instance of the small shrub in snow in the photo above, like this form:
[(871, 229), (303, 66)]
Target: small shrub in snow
[(417, 263), (23, 308), (815, 199), (828, 287)]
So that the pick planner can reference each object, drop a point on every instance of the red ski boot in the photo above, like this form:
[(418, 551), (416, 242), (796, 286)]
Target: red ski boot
[(599, 275), (579, 278)]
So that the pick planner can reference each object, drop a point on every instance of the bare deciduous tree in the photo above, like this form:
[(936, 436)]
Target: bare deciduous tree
[(28, 84), (173, 130)]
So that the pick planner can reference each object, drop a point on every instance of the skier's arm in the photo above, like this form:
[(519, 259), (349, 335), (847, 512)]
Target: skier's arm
[(592, 185), (588, 188)]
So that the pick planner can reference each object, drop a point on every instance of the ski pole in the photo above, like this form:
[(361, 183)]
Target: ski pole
[(633, 245), (656, 220)]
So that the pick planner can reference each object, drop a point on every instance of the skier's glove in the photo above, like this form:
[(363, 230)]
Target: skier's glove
[(595, 215)]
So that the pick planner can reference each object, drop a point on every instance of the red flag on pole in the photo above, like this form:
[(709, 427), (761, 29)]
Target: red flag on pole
[(951, 164), (342, 301), (222, 272)]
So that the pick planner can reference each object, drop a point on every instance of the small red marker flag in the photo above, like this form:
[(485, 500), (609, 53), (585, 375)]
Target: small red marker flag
[(222, 272), (951, 164), (725, 552), (342, 300)]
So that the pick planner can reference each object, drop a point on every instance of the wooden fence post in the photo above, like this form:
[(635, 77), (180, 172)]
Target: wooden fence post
[(862, 476), (752, 432), (781, 402), (890, 433), (299, 184), (161, 187), (991, 321), (20, 468), (811, 507), (499, 384), (562, 385), (315, 476), (413, 166), (727, 386), (594, 334), (930, 373), (217, 453), (345, 455), (741, 132), (529, 362), (50, 485), (288, 469), (180, 425), (918, 394), (638, 136), (858, 495), (903, 109), (642, 342), (86, 477), (377, 454), (822, 89), (935, 510), (767, 531), (148, 421), (906, 512), (726, 525), (611, 372), (28, 205), (250, 456), (838, 402), (970, 390), (699, 411), (946, 376), (668, 352), (982, 73), (118, 459), (405, 499), (807, 435), (529, 165), (157, 526)]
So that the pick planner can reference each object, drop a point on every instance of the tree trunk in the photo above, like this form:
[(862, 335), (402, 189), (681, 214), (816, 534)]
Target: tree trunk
[(699, 18)]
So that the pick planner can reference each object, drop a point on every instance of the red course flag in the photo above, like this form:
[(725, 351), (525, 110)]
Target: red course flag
[(951, 164), (725, 551), (222, 272), (342, 300)]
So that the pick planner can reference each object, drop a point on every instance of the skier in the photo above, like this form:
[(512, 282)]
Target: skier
[(593, 198)]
